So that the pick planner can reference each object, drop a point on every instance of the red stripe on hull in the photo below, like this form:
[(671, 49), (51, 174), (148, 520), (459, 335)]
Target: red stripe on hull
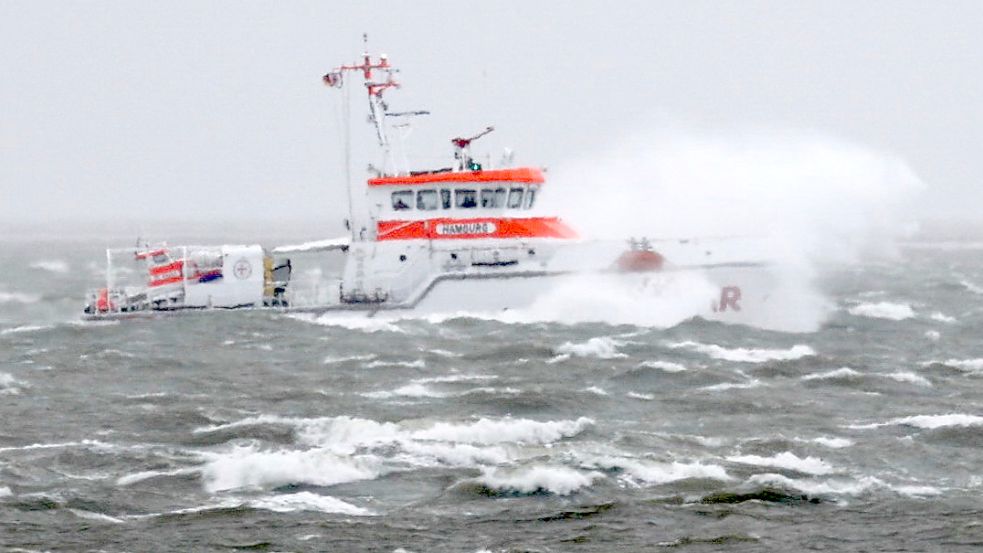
[(464, 229)]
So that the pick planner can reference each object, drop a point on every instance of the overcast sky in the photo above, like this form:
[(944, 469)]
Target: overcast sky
[(126, 110)]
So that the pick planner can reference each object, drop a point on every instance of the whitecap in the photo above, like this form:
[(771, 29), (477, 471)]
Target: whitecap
[(724, 386), (602, 347), (9, 385), (666, 366), (418, 364), (5, 491), (595, 390), (249, 467), (811, 486), (835, 443), (786, 460), (100, 517), (942, 317), (307, 501), (489, 431), (329, 360), (883, 310), (653, 472), (364, 324), (23, 329), (410, 390), (455, 378), (965, 365), (131, 479), (746, 355), (559, 480), (926, 422), (909, 377), (845, 373), (637, 395)]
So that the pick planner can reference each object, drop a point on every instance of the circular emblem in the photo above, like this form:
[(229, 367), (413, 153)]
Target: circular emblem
[(242, 269)]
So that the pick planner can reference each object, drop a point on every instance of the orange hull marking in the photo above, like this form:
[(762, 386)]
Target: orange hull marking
[(458, 229), (521, 174)]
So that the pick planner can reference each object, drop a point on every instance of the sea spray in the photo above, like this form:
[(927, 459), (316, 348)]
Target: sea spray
[(810, 199)]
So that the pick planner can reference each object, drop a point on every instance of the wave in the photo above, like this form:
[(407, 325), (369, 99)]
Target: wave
[(724, 386), (455, 378), (410, 390), (637, 395), (23, 329), (249, 467), (9, 385), (746, 355), (786, 460), (845, 373), (418, 364), (972, 287), (883, 310), (557, 480), (965, 365), (637, 471), (840, 486), (666, 366), (601, 347), (51, 265), (5, 491), (350, 322), (595, 390), (909, 377), (927, 422), (307, 501), (345, 358), (834, 443), (942, 318), (488, 431)]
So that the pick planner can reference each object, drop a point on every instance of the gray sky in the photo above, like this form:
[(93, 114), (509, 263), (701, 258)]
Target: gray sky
[(215, 110)]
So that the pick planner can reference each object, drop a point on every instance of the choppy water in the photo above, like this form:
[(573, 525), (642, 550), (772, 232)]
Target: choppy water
[(252, 431)]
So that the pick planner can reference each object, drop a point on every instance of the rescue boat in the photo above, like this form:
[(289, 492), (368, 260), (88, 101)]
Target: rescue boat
[(465, 237)]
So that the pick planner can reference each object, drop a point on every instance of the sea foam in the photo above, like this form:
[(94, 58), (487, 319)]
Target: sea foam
[(746, 355)]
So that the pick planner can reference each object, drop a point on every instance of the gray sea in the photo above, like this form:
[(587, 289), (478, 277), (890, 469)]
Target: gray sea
[(250, 431)]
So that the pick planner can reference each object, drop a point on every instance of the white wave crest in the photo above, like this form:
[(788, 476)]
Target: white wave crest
[(666, 366), (811, 486), (786, 460), (363, 323), (942, 317), (9, 385), (488, 431), (595, 390), (410, 390), (601, 347), (926, 422), (834, 443), (342, 359), (637, 395), (5, 491), (965, 365), (418, 364), (23, 329), (883, 310), (18, 297), (559, 480), (746, 355), (724, 386), (653, 472), (845, 373), (248, 467), (51, 265), (307, 501), (455, 378), (909, 377)]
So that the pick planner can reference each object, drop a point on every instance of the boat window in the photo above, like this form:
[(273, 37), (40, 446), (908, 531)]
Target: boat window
[(426, 200), (466, 198), (492, 197), (445, 198), (530, 198), (402, 200), (515, 198)]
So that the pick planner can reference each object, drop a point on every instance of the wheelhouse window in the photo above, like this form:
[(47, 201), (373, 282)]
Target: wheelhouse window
[(402, 200), (515, 198), (531, 198), (465, 198), (445, 198), (426, 200), (492, 197)]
